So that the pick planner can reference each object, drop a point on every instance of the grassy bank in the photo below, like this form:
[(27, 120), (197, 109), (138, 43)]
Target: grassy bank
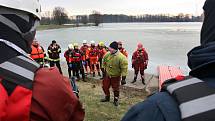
[(91, 93)]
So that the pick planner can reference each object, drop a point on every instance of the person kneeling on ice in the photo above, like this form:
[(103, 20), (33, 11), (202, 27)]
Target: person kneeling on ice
[(186, 98), (139, 62), (69, 60), (27, 92), (115, 66)]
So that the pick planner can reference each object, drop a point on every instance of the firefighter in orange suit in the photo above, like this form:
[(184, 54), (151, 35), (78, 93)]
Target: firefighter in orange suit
[(38, 53), (94, 57)]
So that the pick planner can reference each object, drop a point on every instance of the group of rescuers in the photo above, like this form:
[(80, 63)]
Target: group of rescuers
[(29, 92), (89, 59)]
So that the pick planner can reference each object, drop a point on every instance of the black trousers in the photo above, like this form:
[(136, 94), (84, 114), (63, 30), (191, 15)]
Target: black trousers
[(57, 63), (76, 68)]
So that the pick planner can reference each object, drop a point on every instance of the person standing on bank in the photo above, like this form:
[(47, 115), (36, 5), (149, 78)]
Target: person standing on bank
[(38, 53), (115, 65), (54, 51), (139, 62), (188, 98), (69, 60)]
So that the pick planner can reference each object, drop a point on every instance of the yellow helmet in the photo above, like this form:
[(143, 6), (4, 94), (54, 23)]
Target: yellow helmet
[(102, 44)]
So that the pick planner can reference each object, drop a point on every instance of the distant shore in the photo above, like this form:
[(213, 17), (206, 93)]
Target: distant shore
[(52, 26)]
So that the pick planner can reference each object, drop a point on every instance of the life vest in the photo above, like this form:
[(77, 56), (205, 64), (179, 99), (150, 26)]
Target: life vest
[(37, 52), (16, 83), (76, 56), (195, 98)]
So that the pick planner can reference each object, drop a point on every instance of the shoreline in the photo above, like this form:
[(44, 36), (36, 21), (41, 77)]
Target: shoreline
[(52, 26), (151, 80)]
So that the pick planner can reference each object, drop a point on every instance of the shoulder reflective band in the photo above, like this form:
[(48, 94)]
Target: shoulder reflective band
[(178, 85), (197, 106), (18, 49)]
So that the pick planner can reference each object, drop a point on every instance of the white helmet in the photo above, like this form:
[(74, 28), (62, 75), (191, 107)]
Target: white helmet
[(30, 6), (84, 41), (92, 42), (70, 46)]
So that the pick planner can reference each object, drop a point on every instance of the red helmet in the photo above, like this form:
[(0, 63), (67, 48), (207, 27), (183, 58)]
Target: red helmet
[(139, 46)]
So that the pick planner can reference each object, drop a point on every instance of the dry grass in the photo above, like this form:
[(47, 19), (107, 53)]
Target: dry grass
[(91, 93)]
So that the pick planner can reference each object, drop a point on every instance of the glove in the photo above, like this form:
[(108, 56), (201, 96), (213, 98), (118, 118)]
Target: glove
[(84, 63), (123, 82)]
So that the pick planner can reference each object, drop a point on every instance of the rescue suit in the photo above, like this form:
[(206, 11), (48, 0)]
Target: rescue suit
[(86, 60), (139, 63), (68, 56), (94, 57), (76, 60)]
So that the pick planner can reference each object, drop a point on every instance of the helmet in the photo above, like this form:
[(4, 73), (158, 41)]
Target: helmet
[(139, 45), (30, 6), (70, 46), (92, 42), (75, 44), (102, 44), (84, 41)]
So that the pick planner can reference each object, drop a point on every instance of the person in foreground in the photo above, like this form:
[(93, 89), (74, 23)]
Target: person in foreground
[(27, 92), (186, 98)]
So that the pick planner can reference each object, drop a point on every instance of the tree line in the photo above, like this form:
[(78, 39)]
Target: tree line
[(59, 16)]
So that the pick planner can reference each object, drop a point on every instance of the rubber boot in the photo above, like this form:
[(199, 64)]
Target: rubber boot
[(135, 79), (94, 74), (116, 101), (143, 80), (106, 99)]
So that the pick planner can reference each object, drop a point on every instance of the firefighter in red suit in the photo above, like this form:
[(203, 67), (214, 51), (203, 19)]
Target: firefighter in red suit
[(27, 92), (77, 58), (139, 62)]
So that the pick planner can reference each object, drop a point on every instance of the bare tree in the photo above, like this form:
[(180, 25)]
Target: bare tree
[(60, 16), (96, 18)]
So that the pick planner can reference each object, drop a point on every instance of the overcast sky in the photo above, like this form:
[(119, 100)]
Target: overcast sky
[(129, 7)]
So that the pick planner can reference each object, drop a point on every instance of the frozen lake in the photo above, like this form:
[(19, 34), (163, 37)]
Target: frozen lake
[(166, 43)]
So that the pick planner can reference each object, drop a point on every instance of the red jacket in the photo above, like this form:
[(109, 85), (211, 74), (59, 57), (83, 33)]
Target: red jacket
[(67, 55), (52, 100)]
